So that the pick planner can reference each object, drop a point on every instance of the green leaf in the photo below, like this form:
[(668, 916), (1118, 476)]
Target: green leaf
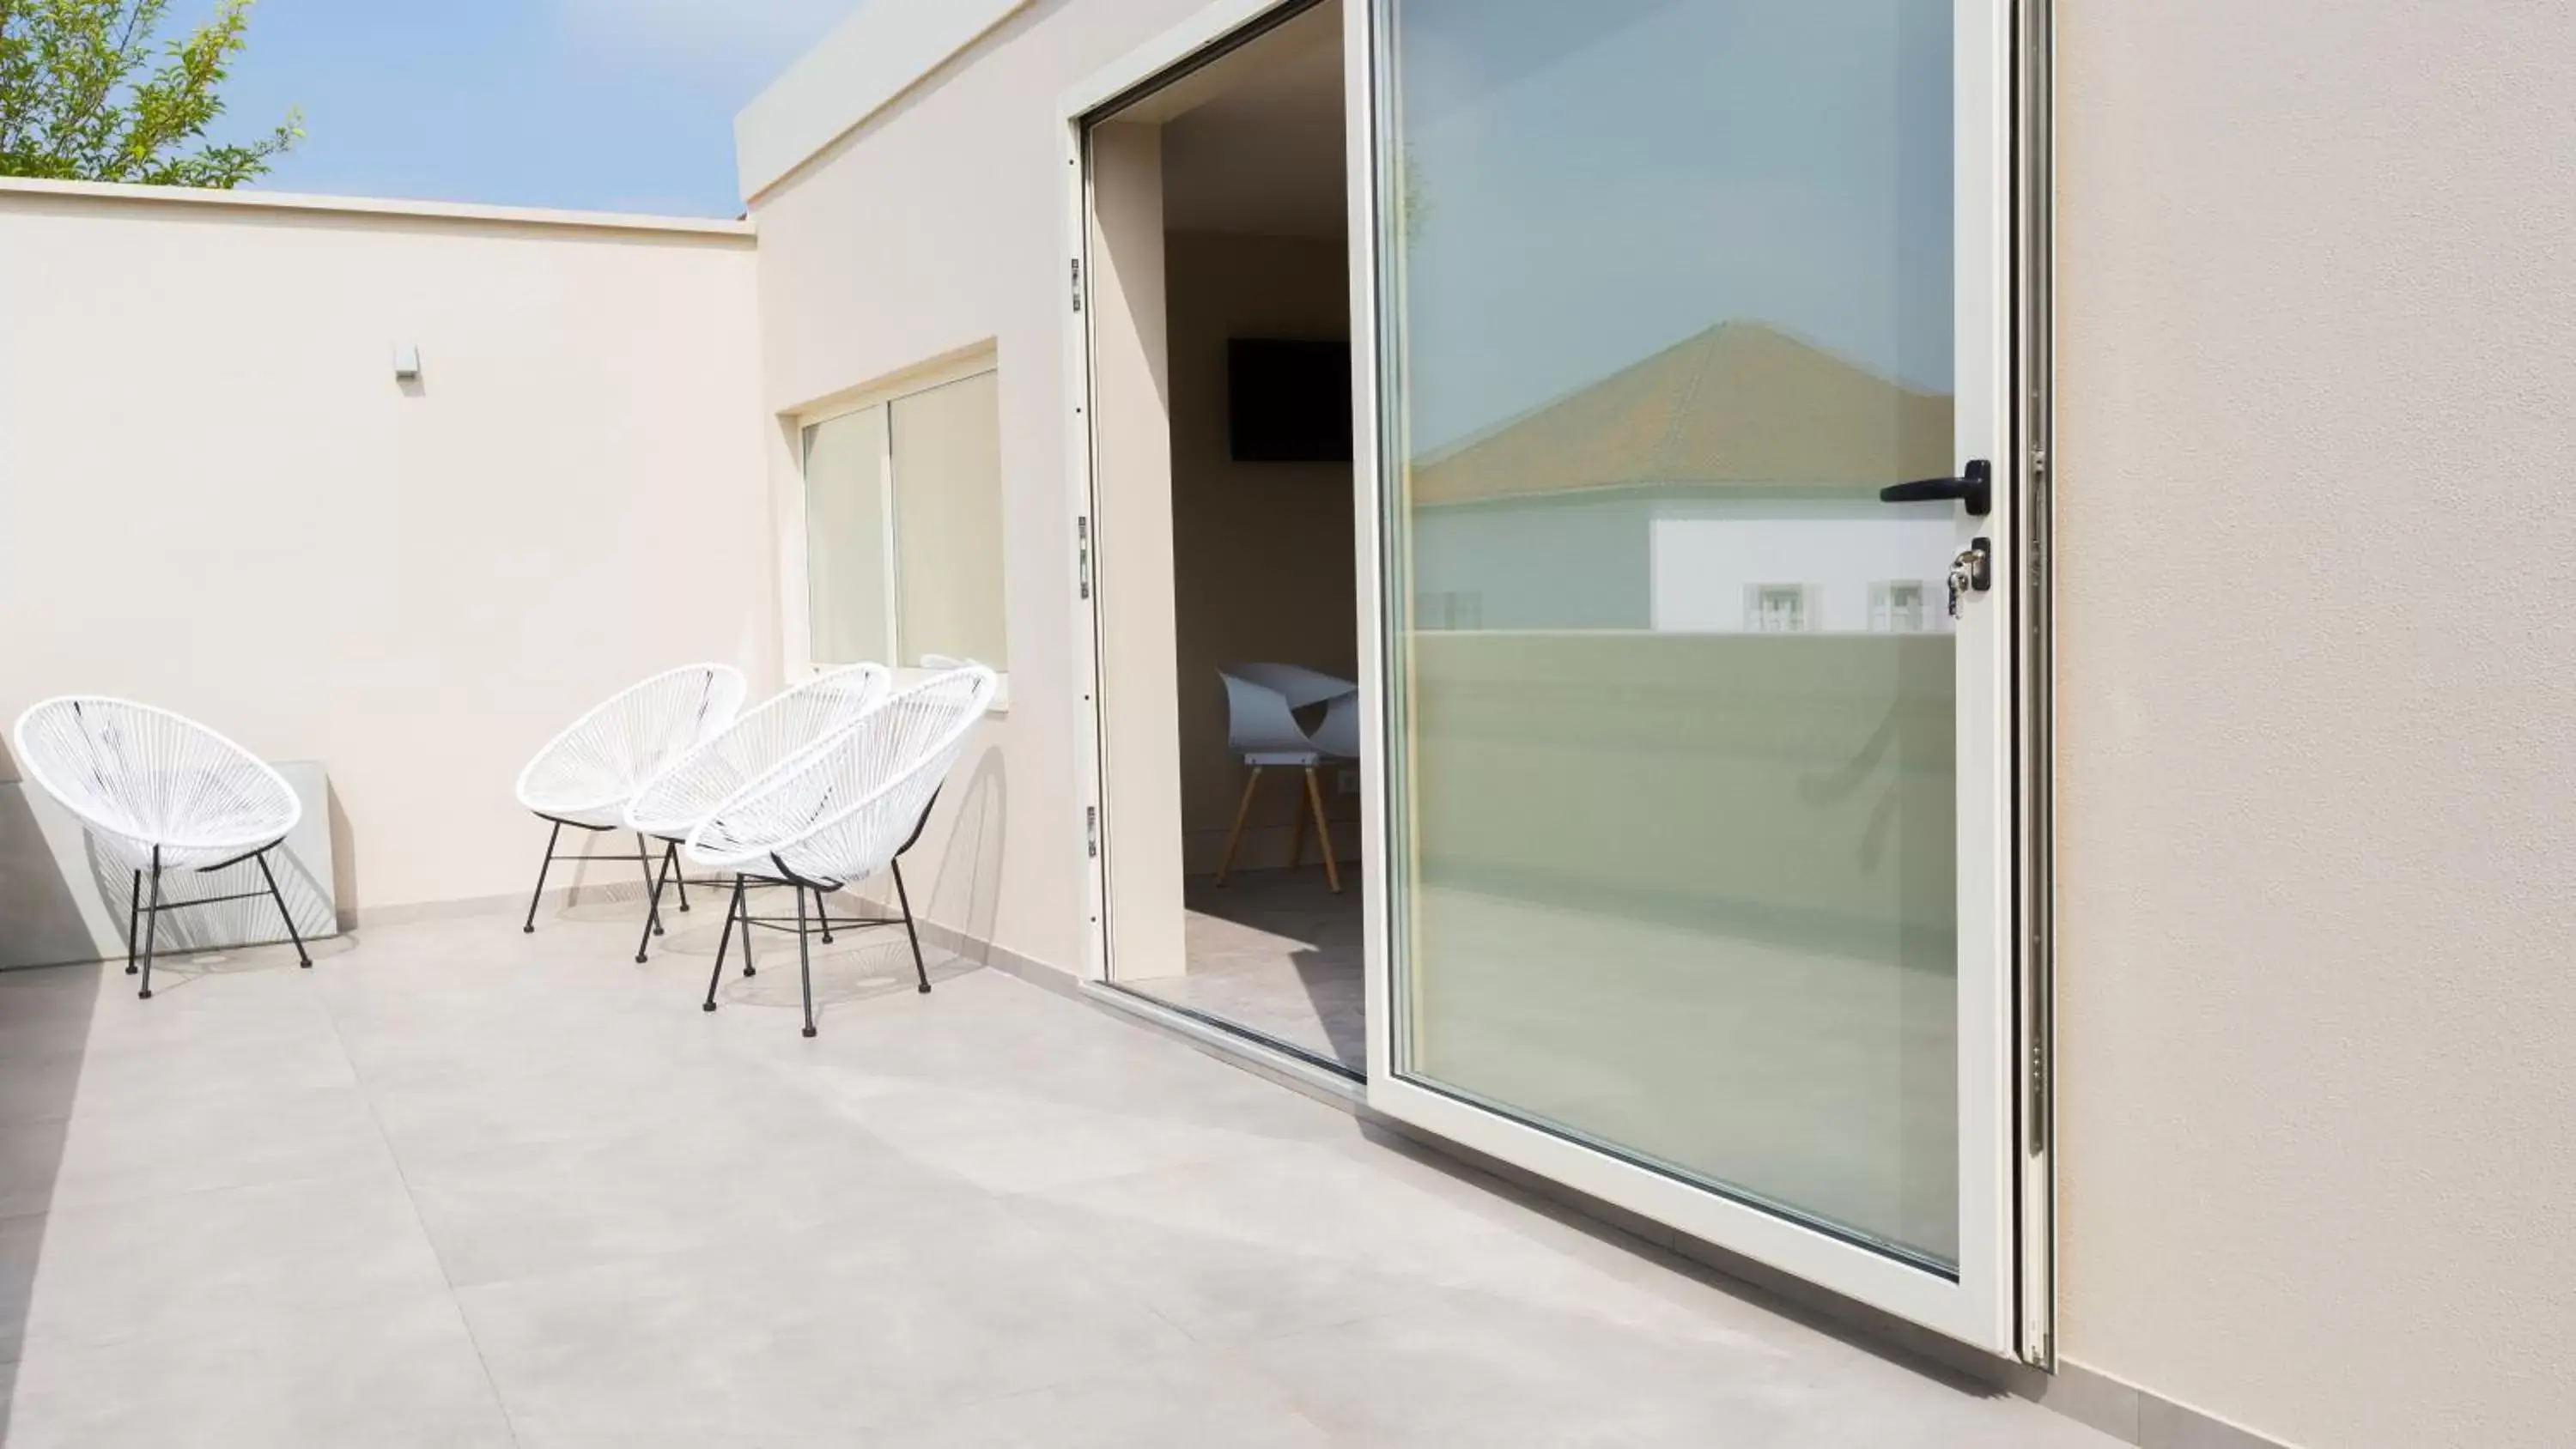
[(81, 98)]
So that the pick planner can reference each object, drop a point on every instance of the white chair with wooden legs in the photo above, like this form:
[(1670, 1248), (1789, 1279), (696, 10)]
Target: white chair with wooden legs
[(1262, 701)]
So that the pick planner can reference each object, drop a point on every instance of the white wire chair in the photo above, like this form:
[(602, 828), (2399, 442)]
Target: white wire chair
[(680, 798), (845, 810), (585, 776), (160, 792)]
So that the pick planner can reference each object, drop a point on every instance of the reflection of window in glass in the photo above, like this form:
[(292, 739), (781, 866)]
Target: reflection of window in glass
[(1449, 609), (1776, 609), (1896, 607), (903, 528)]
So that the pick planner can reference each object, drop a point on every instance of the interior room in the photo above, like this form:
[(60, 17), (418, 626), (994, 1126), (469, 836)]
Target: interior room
[(1262, 700)]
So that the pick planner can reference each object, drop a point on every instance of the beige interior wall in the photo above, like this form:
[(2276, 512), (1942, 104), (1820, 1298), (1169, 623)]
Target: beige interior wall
[(215, 496), (1262, 552), (2317, 410)]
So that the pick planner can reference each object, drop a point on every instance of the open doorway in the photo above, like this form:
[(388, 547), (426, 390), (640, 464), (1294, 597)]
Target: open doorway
[(1222, 493)]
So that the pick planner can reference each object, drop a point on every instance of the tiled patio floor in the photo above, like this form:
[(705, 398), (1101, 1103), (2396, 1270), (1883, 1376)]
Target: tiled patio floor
[(1278, 953), (460, 1186)]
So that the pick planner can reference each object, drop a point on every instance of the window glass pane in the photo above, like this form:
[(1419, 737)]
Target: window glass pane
[(845, 537), (948, 529)]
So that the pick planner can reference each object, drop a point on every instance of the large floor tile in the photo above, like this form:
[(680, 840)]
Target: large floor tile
[(401, 1375), (1226, 1287), (801, 1338), (1007, 1142), (186, 1142), (211, 1062), (1481, 1369), (1468, 1370), (226, 1261), (459, 1171), (1181, 1402), (1312, 1203), (757, 1166)]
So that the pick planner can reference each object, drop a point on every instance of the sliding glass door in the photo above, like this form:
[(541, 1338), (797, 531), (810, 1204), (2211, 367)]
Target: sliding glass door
[(1693, 779)]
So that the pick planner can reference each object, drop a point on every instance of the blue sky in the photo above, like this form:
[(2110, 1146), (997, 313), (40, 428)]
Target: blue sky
[(622, 105)]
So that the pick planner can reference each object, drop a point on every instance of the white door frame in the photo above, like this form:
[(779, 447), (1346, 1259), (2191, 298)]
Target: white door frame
[(2001, 1300), (1986, 1304), (1211, 28)]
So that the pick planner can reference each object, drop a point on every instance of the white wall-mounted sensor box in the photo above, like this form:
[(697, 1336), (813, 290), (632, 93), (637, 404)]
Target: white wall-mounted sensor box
[(406, 362)]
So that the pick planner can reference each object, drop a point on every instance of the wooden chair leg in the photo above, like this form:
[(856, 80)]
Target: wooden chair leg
[(1234, 837), (1323, 831), (1297, 838)]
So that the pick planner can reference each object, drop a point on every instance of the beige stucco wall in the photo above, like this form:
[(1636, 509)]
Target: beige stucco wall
[(2317, 446), (939, 225), (214, 495), (2317, 405)]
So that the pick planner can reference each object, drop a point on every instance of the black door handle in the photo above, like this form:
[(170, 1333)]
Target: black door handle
[(1977, 489)]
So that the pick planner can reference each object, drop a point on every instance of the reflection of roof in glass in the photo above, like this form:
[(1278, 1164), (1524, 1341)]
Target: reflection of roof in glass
[(1741, 403)]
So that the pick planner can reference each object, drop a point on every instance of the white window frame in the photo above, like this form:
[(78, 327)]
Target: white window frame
[(1757, 614), (795, 576), (1883, 607)]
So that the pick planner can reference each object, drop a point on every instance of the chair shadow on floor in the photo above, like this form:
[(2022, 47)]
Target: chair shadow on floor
[(190, 942), (962, 892), (862, 965)]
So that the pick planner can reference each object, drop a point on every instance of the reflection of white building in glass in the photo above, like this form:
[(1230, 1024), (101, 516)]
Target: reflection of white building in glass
[(1728, 484)]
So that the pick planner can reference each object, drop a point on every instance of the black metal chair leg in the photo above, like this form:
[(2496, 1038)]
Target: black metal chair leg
[(152, 924), (743, 904), (133, 923), (283, 913), (543, 866), (652, 889), (725, 942), (804, 961), (653, 900), (900, 894), (679, 875), (823, 913)]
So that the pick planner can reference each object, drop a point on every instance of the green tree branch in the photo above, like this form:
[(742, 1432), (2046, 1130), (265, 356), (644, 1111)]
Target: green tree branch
[(77, 104)]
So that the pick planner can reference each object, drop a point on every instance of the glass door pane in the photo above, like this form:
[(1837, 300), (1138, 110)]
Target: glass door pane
[(1672, 696)]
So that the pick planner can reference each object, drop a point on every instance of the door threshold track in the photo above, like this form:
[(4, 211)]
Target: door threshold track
[(1249, 1050)]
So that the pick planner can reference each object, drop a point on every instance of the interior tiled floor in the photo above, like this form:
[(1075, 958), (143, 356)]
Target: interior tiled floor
[(460, 1186), (1276, 951)]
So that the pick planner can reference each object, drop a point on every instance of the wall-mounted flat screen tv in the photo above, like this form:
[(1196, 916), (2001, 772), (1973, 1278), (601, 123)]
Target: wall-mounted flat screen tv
[(1288, 400)]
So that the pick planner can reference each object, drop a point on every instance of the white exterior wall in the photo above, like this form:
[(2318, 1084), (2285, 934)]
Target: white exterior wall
[(2317, 461), (2314, 316), (215, 496), (935, 227)]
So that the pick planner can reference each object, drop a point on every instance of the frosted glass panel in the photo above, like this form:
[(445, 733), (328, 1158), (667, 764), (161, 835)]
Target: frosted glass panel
[(845, 537), (1673, 690), (948, 538)]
